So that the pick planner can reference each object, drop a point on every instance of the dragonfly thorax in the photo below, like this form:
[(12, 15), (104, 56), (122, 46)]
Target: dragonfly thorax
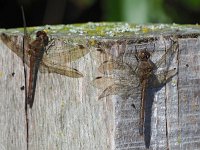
[(145, 69)]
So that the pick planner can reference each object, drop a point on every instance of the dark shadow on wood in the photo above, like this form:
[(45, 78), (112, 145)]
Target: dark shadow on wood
[(148, 112)]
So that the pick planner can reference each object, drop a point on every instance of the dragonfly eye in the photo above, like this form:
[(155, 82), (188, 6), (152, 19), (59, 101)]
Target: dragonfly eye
[(147, 55), (41, 34), (38, 33)]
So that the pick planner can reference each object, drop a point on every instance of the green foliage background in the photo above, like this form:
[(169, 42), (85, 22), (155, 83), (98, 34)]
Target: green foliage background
[(152, 11)]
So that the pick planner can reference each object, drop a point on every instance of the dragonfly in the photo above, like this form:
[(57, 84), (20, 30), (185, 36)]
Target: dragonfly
[(38, 57), (36, 52), (121, 78)]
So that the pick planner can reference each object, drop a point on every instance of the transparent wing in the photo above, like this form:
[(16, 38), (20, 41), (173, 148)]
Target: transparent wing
[(62, 70), (120, 71), (100, 55), (15, 44), (115, 89), (104, 82), (171, 50), (119, 78), (111, 86), (68, 54), (110, 67), (161, 79), (58, 62)]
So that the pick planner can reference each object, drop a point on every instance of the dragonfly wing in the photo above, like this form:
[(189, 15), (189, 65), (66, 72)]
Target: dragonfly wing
[(121, 71), (162, 78), (115, 89), (13, 43), (103, 82), (57, 62), (62, 70), (71, 54), (171, 50), (111, 86), (100, 55), (108, 67)]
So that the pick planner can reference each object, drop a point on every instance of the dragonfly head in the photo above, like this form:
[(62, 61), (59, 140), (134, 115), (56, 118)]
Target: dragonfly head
[(143, 55), (42, 35)]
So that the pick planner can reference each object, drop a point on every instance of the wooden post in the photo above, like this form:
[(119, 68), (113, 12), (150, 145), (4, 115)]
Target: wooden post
[(83, 104)]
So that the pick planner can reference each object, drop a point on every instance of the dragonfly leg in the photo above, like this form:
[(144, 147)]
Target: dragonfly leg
[(136, 54), (50, 44)]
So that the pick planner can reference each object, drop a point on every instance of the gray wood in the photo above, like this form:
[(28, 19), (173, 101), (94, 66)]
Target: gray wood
[(67, 114)]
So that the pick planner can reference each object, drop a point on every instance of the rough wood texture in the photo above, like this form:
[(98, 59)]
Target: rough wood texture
[(67, 114)]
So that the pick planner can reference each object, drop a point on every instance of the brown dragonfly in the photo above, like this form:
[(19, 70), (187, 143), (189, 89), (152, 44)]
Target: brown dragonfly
[(36, 52), (124, 79), (52, 61)]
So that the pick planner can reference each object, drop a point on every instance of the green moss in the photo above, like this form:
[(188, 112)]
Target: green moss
[(111, 29)]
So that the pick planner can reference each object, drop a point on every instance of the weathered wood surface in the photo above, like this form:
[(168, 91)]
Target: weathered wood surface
[(67, 113)]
